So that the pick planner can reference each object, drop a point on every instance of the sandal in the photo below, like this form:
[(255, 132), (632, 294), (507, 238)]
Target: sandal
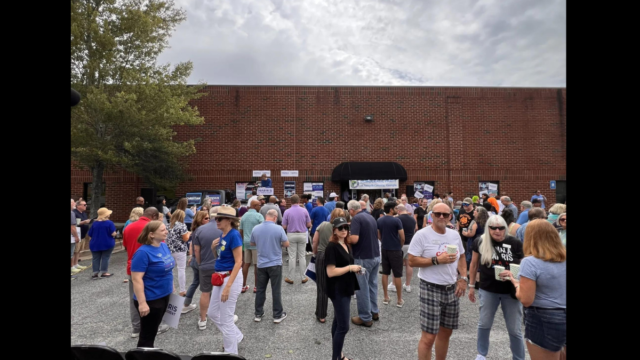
[(245, 288), (400, 304), (386, 301), (344, 358), (106, 275)]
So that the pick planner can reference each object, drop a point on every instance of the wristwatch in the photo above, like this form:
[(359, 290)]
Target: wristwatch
[(463, 278)]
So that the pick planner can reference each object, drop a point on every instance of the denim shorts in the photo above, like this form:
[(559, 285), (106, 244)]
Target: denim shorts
[(546, 328)]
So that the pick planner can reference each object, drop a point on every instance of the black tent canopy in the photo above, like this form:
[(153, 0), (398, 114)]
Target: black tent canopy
[(368, 171)]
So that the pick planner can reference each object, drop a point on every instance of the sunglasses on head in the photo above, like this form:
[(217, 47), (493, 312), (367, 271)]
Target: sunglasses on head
[(439, 214), (497, 228), (343, 227)]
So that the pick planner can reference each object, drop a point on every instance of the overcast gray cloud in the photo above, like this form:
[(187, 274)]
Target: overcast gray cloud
[(373, 42)]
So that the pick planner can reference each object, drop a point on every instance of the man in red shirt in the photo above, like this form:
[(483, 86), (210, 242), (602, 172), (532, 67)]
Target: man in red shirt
[(131, 244)]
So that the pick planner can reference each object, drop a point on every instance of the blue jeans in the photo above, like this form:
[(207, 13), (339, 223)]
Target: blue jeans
[(512, 311), (100, 261), (469, 253), (367, 296), (194, 284), (340, 325)]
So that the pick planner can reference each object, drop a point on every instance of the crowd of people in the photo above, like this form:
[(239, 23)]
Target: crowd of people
[(499, 253)]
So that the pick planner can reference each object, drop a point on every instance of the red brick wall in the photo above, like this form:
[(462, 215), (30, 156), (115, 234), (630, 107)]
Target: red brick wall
[(453, 136)]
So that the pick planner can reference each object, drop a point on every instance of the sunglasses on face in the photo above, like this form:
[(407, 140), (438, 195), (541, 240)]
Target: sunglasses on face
[(501, 228), (343, 228), (206, 219), (439, 214), (219, 219), (465, 204), (562, 220)]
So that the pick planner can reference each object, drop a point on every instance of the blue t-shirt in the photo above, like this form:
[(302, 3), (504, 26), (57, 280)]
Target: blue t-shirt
[(520, 231), (188, 216), (551, 281), (157, 265), (268, 238), (389, 226), (265, 183), (538, 197), (225, 248), (523, 217), (100, 233), (309, 207), (318, 215), (330, 205)]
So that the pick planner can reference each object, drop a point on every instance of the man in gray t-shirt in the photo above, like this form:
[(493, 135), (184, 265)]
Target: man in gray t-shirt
[(203, 237)]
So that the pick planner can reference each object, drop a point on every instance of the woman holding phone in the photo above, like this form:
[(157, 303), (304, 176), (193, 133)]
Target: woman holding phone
[(341, 282), (152, 276)]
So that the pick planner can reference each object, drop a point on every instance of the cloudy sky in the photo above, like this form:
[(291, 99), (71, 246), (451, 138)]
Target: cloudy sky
[(519, 43)]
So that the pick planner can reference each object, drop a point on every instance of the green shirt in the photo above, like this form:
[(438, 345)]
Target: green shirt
[(247, 222)]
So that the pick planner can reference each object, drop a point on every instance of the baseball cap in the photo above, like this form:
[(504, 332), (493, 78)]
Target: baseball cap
[(332, 195), (261, 197), (337, 222), (467, 200)]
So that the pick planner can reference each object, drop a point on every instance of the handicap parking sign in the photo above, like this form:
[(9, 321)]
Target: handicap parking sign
[(553, 184)]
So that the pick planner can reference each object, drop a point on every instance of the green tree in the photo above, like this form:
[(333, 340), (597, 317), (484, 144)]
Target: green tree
[(129, 103)]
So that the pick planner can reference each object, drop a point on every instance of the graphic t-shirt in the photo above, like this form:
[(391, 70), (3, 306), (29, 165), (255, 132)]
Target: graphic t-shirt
[(157, 265), (174, 238), (421, 214), (427, 243), (389, 226), (506, 252), (464, 220), (226, 261)]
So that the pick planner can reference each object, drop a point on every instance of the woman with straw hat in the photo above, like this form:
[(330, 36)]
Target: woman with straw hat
[(102, 235), (229, 266)]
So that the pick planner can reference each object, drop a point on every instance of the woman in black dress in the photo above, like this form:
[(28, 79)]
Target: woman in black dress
[(341, 282)]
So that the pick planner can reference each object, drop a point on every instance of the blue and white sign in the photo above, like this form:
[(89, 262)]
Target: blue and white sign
[(315, 189), (553, 184), (264, 191), (193, 198), (373, 184)]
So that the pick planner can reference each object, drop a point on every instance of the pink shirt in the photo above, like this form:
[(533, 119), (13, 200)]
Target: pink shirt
[(296, 219)]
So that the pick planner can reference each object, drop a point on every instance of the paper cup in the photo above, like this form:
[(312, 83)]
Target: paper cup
[(515, 270), (498, 270), (78, 222), (452, 249)]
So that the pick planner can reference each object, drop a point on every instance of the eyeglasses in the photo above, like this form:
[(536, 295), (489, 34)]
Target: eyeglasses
[(501, 228), (439, 214), (219, 219), (343, 228), (562, 220), (465, 204), (206, 219)]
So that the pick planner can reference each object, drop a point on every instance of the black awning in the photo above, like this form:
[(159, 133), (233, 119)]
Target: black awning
[(369, 171)]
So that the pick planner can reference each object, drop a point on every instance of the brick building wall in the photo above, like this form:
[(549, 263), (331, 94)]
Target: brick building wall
[(454, 136)]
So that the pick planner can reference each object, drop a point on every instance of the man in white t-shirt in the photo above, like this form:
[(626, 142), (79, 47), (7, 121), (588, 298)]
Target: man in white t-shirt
[(440, 308)]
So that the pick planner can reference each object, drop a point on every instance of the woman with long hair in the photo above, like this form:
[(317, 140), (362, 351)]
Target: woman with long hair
[(102, 235), (236, 205), (134, 216), (542, 288), (341, 282), (152, 277), (229, 265), (378, 208), (475, 229), (510, 219), (182, 204), (496, 248), (177, 242), (202, 218), (323, 233)]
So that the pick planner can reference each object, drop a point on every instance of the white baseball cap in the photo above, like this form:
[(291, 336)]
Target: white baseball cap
[(332, 195)]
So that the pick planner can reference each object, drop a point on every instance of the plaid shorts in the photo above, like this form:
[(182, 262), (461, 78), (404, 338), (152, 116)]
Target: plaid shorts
[(438, 307)]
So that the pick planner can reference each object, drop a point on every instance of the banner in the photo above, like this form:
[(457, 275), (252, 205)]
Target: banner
[(486, 187), (215, 199), (373, 184), (243, 189), (289, 188), (423, 188), (258, 173), (264, 191), (289, 173), (315, 189), (193, 198), (174, 309)]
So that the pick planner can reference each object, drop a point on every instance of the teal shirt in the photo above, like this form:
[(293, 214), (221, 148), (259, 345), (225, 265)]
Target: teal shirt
[(247, 222)]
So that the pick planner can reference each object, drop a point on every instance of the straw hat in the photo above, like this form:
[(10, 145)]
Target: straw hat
[(104, 212), (226, 212)]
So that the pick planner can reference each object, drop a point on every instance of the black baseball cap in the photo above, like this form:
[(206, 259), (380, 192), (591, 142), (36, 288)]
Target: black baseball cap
[(337, 222)]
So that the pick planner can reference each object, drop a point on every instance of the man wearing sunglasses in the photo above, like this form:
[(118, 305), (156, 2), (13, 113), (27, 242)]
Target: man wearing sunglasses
[(465, 217), (440, 287)]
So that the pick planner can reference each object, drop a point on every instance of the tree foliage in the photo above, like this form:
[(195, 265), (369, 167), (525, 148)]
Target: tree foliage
[(129, 102)]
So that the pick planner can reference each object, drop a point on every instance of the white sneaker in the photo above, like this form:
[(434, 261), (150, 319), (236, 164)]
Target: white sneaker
[(480, 357), (81, 267), (75, 271), (391, 288), (235, 319), (406, 287), (202, 325), (186, 309), (135, 335), (163, 328)]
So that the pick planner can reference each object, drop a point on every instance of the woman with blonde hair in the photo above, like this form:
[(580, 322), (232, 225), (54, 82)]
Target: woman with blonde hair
[(177, 242), (555, 212), (134, 216), (202, 218), (378, 208), (496, 248), (102, 235), (320, 240), (152, 277), (541, 286)]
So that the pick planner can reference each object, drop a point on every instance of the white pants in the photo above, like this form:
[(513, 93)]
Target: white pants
[(181, 264), (297, 248), (221, 313)]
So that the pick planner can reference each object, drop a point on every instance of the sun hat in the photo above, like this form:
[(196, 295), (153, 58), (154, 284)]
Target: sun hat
[(104, 212), (226, 212)]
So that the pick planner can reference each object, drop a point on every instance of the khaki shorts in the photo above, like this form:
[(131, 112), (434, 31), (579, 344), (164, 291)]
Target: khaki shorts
[(251, 256)]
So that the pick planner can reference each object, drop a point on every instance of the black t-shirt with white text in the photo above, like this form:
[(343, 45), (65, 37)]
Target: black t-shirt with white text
[(505, 252)]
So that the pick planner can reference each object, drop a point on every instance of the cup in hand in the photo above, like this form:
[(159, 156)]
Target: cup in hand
[(498, 269), (515, 270), (362, 271), (452, 249)]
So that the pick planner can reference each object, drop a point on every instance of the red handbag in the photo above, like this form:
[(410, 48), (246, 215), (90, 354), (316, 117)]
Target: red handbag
[(217, 279)]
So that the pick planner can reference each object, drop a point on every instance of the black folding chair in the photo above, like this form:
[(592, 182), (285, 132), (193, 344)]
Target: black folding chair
[(152, 354), (217, 356), (94, 352)]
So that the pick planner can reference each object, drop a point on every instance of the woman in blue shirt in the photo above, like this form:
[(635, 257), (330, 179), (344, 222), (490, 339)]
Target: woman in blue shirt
[(229, 263), (152, 275), (102, 235)]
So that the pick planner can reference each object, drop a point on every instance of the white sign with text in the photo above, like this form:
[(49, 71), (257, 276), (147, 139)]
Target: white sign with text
[(289, 173), (258, 173), (174, 309), (264, 191)]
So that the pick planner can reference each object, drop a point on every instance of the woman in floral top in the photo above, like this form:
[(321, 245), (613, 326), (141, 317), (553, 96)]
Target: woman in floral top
[(177, 242)]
